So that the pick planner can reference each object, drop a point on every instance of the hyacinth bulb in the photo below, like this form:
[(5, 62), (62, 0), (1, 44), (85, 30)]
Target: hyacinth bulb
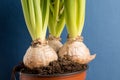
[(39, 56), (54, 43), (77, 51)]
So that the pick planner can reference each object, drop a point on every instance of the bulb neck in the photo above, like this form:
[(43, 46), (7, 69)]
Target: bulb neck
[(51, 37), (38, 42), (78, 38)]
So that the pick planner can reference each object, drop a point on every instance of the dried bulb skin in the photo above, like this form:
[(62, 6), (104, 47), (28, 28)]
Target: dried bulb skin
[(38, 56), (54, 43), (77, 51)]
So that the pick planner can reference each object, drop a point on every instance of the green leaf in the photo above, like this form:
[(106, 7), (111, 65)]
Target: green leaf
[(80, 15), (56, 22), (25, 8), (38, 18), (70, 17)]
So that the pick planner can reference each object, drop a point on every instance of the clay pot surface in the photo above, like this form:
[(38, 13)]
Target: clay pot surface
[(69, 76)]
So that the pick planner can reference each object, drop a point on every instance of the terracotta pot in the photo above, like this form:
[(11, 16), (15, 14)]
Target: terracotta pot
[(80, 75)]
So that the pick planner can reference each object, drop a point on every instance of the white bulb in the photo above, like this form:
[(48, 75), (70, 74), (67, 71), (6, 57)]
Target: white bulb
[(77, 51), (55, 44), (39, 56)]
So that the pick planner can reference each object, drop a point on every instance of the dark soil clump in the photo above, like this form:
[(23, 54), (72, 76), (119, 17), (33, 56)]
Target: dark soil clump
[(61, 66)]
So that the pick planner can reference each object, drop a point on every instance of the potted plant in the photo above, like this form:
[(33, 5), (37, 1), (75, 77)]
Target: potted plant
[(42, 60)]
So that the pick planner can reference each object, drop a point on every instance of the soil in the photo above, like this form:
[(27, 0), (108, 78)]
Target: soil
[(60, 66)]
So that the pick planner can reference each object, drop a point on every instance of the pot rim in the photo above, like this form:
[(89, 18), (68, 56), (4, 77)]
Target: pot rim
[(54, 75)]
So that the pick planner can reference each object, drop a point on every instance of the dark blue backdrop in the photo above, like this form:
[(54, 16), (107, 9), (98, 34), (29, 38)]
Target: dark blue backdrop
[(101, 33)]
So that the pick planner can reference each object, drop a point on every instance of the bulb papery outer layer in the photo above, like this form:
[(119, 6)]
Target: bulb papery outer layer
[(54, 42), (39, 56), (77, 51)]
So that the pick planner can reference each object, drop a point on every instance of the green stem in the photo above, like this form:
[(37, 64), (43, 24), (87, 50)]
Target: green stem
[(36, 13), (60, 26), (32, 15), (38, 17), (45, 16), (27, 18), (56, 12), (51, 21), (51, 24), (56, 18), (70, 17), (80, 15)]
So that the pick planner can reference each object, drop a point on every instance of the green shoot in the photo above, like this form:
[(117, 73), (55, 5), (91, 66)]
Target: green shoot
[(36, 14), (74, 16), (56, 17)]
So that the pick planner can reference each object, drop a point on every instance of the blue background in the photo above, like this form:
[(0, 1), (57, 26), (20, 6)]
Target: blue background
[(101, 33)]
